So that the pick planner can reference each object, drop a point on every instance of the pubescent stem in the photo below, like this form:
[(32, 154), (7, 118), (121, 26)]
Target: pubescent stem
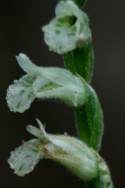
[(89, 121), (88, 118), (81, 61)]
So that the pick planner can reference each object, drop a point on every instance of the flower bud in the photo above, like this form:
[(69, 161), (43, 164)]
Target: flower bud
[(44, 83), (72, 153), (68, 30)]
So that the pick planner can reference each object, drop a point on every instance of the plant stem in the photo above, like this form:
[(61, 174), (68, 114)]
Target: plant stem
[(88, 118), (89, 121), (81, 61)]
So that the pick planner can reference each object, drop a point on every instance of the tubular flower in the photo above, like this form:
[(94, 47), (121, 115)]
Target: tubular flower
[(72, 153), (44, 83), (68, 30)]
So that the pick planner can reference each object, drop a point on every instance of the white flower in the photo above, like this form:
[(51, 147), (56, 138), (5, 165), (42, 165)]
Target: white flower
[(68, 30), (72, 153), (44, 83)]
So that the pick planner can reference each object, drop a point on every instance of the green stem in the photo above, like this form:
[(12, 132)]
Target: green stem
[(88, 118), (89, 121), (81, 61)]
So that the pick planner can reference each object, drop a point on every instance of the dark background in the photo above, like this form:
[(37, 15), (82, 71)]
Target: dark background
[(20, 23)]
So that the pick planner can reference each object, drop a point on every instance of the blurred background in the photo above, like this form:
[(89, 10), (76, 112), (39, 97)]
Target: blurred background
[(20, 23)]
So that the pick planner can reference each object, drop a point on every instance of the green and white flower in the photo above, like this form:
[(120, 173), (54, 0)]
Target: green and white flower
[(44, 83), (68, 30), (72, 153), (68, 151)]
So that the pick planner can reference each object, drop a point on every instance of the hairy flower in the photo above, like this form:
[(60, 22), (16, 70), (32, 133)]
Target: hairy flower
[(68, 30), (68, 151), (44, 83), (72, 153)]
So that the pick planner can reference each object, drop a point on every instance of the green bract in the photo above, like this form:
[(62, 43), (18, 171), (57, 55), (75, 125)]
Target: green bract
[(43, 83), (68, 30)]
